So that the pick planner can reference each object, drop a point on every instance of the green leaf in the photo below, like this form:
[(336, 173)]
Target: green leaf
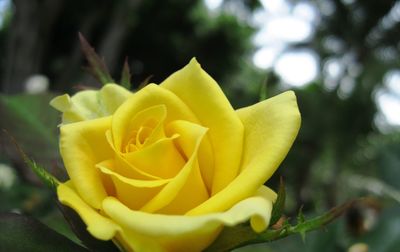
[(47, 179), (279, 204), (97, 67), (19, 233), (33, 123), (79, 229), (126, 76), (30, 118)]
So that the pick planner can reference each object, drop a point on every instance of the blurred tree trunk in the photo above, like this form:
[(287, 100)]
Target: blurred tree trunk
[(111, 42), (110, 46), (28, 37)]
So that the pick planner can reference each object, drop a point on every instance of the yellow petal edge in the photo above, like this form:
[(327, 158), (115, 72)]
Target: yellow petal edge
[(99, 226), (157, 232), (271, 127)]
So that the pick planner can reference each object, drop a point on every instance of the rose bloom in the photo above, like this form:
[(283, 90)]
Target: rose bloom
[(167, 167)]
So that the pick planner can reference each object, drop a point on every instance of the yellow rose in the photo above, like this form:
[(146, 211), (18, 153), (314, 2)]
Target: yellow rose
[(174, 163)]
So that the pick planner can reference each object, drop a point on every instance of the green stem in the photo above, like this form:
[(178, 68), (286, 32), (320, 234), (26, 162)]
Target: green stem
[(239, 236)]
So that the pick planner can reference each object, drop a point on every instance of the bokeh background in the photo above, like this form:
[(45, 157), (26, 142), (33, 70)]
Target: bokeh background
[(340, 56)]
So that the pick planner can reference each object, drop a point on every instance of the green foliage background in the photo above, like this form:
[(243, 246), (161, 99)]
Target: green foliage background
[(339, 154)]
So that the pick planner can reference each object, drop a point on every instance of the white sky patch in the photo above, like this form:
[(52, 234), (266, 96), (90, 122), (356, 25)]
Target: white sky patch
[(284, 29), (259, 17), (4, 6), (213, 4), (392, 81), (282, 23), (333, 68), (388, 98), (306, 11), (389, 105), (274, 6), (297, 68), (265, 57)]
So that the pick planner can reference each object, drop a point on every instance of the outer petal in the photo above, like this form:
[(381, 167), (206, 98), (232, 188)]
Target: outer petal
[(111, 97), (204, 97), (267, 193), (99, 226), (90, 104), (82, 146), (270, 129), (157, 232)]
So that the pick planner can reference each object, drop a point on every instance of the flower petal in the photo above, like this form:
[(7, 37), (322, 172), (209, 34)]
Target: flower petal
[(90, 104), (270, 129), (151, 118), (123, 167), (112, 96), (189, 143), (194, 191), (153, 95), (99, 226), (160, 159), (205, 98), (149, 96), (133, 193), (267, 193), (82, 146), (183, 233)]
